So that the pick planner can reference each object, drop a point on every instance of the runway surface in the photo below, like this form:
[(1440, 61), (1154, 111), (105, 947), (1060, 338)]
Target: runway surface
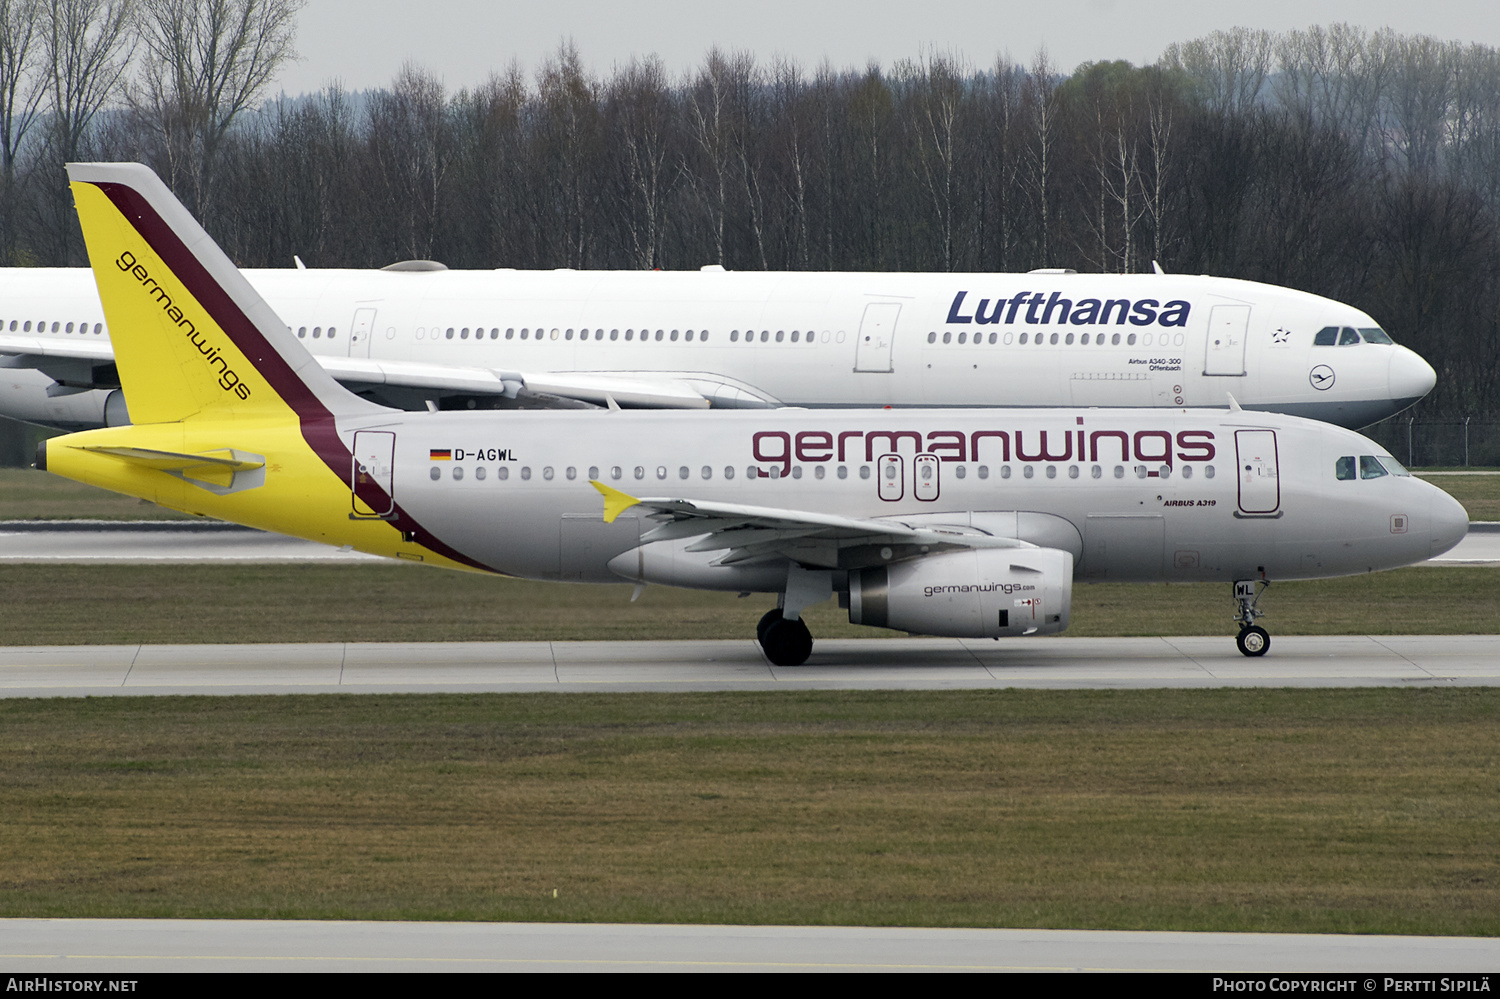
[(125, 946), (856, 664), (169, 541)]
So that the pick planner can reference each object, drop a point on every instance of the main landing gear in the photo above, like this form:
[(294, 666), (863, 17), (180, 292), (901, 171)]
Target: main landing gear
[(785, 643), (1252, 639), (782, 633)]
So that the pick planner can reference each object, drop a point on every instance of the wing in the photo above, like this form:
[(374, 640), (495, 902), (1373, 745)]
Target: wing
[(71, 364), (749, 534), (78, 365)]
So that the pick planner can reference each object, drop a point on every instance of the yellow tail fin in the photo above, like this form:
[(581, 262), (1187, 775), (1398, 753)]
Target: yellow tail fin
[(190, 334)]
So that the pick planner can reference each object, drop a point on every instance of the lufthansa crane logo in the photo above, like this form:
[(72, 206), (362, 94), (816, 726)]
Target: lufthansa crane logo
[(1321, 377)]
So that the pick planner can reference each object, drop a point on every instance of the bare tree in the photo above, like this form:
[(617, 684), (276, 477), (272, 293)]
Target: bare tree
[(640, 109), (1230, 66), (22, 89), (1042, 103), (933, 89), (410, 151), (88, 43), (21, 86), (206, 62)]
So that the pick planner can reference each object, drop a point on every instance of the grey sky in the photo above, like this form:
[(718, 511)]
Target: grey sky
[(363, 43)]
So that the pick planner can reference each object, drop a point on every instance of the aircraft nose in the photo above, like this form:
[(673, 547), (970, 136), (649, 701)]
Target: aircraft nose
[(1450, 522), (1409, 377)]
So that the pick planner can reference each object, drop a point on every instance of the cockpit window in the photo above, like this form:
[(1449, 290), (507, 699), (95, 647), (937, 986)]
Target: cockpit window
[(1370, 467), (1374, 334), (1348, 336), (1326, 337)]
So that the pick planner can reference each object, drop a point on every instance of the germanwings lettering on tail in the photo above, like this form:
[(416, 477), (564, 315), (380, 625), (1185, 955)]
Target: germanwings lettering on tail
[(229, 381)]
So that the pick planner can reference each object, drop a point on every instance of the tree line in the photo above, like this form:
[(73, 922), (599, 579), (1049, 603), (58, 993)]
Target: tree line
[(1362, 165)]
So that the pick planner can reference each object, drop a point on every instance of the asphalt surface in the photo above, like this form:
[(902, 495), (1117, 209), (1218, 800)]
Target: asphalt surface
[(125, 946), (837, 664)]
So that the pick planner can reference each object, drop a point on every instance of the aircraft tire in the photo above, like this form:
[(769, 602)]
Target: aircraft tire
[(787, 643), (1253, 641), (769, 618)]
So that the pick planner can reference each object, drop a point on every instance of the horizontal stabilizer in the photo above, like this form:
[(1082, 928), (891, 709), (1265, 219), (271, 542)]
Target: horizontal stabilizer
[(216, 467)]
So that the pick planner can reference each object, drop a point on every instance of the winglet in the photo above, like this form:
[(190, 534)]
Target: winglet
[(615, 502)]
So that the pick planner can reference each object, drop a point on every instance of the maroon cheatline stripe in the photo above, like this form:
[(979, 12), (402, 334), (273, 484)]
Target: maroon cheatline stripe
[(318, 424)]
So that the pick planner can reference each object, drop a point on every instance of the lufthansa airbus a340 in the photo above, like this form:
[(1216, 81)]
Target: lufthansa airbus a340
[(423, 339), (962, 522)]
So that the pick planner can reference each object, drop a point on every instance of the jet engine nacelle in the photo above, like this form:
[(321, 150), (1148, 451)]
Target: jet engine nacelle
[(983, 593)]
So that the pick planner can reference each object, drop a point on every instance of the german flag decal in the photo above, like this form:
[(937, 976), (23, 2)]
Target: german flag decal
[(441, 454)]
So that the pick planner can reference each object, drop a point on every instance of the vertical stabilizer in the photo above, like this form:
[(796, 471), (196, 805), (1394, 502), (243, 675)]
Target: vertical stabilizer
[(191, 336)]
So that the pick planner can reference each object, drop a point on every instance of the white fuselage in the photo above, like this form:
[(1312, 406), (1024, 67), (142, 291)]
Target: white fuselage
[(752, 340), (1161, 496)]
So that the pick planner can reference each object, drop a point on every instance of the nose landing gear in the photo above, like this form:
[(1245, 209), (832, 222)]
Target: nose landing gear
[(1252, 640)]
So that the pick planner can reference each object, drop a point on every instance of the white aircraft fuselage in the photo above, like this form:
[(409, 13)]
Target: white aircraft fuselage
[(659, 339)]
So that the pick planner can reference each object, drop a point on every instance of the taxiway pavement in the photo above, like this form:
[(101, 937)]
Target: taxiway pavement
[(856, 664), (120, 947)]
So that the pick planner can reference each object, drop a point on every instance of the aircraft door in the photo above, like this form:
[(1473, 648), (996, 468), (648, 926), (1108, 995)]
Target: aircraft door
[(372, 481), (877, 332), (1224, 353), (360, 331), (925, 469), (890, 473), (1260, 486)]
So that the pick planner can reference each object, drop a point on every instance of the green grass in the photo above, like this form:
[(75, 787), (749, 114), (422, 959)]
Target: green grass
[(1348, 811), (1480, 494), (26, 494), (92, 605)]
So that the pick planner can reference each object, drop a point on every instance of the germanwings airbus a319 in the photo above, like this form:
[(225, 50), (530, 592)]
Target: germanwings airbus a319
[(422, 339), (961, 522)]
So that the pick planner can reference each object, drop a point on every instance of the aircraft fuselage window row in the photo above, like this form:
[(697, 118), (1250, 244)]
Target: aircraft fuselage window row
[(1369, 467), (1064, 339), (556, 333), (820, 471), (57, 327), (317, 332), (1334, 336)]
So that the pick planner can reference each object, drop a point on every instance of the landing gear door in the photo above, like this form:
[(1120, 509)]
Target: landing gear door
[(877, 334), (889, 472), (360, 331), (372, 479), (1260, 484), (1224, 354)]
